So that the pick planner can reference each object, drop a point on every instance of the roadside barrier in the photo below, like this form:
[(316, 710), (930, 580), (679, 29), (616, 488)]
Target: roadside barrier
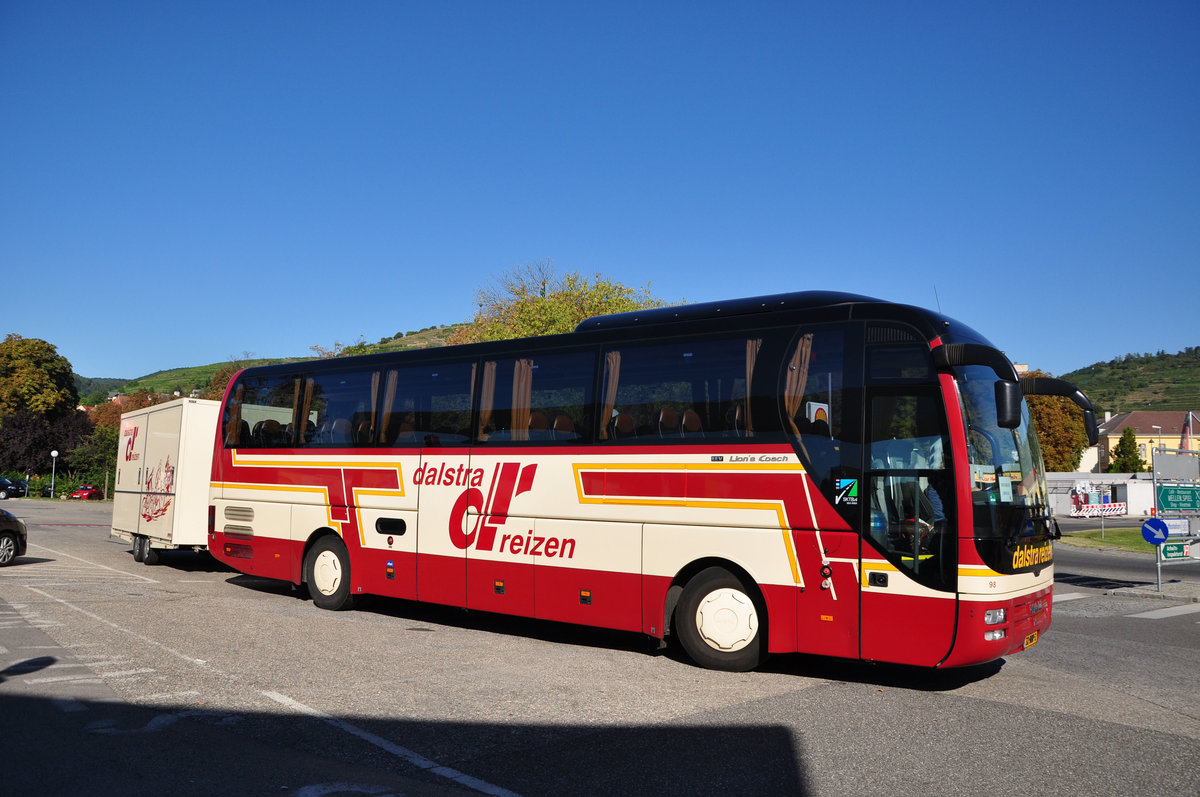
[(1099, 510)]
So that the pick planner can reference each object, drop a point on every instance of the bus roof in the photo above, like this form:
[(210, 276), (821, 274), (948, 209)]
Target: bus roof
[(724, 308)]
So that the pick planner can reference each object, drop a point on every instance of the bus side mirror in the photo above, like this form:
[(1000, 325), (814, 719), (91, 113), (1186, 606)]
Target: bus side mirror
[(1008, 404), (1089, 426), (1049, 386)]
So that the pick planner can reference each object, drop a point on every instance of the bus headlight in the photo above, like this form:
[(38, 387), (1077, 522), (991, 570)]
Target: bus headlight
[(995, 616)]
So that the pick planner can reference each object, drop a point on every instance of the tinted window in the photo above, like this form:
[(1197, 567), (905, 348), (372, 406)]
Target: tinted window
[(699, 389), (259, 412), (427, 405), (537, 399), (820, 408), (340, 409)]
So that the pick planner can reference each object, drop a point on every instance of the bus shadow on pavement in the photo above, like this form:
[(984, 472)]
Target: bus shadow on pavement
[(508, 625), (285, 752), (427, 617), (894, 676), (190, 562)]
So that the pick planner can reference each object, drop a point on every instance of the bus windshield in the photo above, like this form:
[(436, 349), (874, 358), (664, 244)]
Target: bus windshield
[(1008, 489)]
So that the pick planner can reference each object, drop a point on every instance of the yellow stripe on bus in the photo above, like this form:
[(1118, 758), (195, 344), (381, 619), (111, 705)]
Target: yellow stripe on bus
[(766, 505)]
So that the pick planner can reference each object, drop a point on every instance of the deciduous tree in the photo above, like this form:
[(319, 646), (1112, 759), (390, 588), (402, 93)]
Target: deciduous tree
[(109, 413), (35, 377), (535, 300), (1060, 431)]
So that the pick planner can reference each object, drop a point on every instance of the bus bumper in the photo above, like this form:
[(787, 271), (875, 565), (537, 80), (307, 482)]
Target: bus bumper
[(991, 629)]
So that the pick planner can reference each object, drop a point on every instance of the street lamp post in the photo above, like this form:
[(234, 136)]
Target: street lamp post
[(1159, 443), (53, 470)]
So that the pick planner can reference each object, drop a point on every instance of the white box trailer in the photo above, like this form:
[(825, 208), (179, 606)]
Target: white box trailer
[(164, 465)]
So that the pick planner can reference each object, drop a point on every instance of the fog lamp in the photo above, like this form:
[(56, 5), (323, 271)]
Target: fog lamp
[(994, 634)]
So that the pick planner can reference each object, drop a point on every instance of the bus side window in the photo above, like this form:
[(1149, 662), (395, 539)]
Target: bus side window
[(262, 411), (697, 389), (541, 398), (339, 409), (814, 404), (425, 405)]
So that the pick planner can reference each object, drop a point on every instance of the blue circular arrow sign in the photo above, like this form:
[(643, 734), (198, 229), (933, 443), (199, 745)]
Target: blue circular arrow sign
[(1154, 531)]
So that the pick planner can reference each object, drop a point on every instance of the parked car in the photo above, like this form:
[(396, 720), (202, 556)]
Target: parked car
[(13, 537), (13, 488), (86, 492)]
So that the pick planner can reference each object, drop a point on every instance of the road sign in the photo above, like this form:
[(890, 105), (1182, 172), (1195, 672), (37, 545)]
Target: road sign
[(1175, 550), (1154, 531), (1179, 498)]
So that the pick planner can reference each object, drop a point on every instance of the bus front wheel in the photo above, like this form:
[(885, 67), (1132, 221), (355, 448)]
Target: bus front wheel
[(719, 622), (327, 571)]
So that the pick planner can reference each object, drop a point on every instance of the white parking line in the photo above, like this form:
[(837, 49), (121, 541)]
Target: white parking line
[(1170, 611), (1063, 597), (92, 564), (416, 759), (120, 628)]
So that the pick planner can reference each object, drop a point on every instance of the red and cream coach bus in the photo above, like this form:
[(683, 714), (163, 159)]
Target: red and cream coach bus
[(809, 472)]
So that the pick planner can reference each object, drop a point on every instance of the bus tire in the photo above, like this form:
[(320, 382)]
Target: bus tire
[(720, 622), (327, 573)]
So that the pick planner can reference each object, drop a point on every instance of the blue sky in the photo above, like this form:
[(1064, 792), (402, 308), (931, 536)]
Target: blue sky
[(182, 183)]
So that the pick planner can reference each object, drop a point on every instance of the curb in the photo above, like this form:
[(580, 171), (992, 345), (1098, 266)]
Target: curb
[(1188, 594)]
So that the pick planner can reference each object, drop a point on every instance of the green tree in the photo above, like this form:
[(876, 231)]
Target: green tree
[(1059, 425), (1125, 457), (535, 300), (35, 377), (96, 455)]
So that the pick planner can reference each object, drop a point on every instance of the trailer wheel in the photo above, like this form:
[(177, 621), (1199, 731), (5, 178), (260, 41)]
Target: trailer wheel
[(327, 572), (149, 555), (720, 622), (137, 548)]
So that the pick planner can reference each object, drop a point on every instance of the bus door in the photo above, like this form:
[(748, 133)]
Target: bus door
[(433, 407), (909, 550)]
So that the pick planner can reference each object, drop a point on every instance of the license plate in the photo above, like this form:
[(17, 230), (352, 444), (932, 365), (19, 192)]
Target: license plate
[(1031, 640)]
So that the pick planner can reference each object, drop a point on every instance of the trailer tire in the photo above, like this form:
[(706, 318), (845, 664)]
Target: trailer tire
[(138, 555), (720, 622), (327, 573), (149, 555)]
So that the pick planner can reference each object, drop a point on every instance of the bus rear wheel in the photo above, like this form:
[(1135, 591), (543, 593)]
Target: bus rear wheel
[(327, 572), (720, 622)]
